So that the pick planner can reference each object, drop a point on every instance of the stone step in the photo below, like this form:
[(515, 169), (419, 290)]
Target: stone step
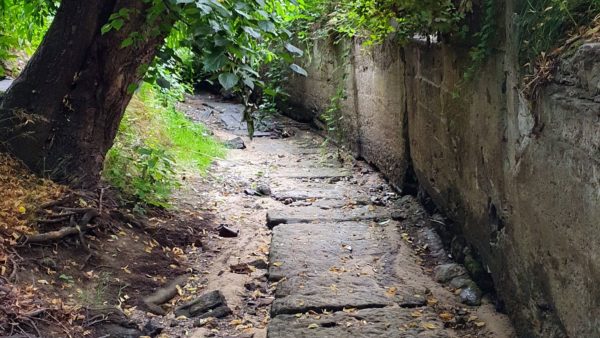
[(312, 214), (314, 248), (330, 292), (311, 173), (332, 266), (324, 191), (390, 322)]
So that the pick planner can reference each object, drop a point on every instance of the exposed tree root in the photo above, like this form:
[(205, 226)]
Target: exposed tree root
[(81, 227), (164, 295)]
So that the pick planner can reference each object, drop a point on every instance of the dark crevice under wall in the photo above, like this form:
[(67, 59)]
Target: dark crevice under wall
[(526, 197)]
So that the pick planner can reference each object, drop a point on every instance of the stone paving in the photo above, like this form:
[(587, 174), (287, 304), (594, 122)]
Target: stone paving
[(346, 258), (340, 262)]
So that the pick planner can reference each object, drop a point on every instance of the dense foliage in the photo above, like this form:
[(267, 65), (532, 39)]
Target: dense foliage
[(247, 48), (23, 24), (155, 142), (377, 20)]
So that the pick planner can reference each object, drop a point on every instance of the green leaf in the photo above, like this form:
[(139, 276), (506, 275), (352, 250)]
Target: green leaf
[(249, 82), (252, 32), (127, 42), (242, 13), (214, 62), (117, 24), (267, 26), (124, 12), (220, 41), (298, 69), (220, 8), (228, 80), (132, 88), (105, 29), (294, 50)]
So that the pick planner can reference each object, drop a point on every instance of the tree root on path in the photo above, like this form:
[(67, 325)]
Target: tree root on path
[(81, 227), (164, 295)]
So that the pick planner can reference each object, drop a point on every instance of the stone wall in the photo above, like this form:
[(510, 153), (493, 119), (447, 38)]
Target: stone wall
[(521, 178), (373, 114)]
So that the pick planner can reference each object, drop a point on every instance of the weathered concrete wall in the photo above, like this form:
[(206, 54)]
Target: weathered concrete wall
[(380, 95), (373, 113), (521, 178), (331, 67)]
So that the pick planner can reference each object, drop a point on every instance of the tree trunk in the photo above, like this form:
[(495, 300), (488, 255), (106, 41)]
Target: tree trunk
[(61, 115)]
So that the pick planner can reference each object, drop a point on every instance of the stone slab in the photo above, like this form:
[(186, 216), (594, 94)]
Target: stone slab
[(389, 322), (311, 173), (281, 148), (328, 291), (334, 192), (312, 214), (313, 250)]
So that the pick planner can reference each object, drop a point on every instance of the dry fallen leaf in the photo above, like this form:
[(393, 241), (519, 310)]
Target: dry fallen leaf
[(313, 326), (472, 318), (429, 326), (445, 316), (335, 269), (391, 291), (236, 322), (416, 314)]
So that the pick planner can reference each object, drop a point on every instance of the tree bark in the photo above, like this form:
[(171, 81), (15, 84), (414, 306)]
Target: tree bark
[(62, 113)]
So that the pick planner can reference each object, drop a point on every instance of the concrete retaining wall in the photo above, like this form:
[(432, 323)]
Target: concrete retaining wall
[(521, 178)]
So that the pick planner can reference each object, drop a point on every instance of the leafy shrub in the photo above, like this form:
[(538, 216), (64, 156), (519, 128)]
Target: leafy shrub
[(147, 173), (24, 23), (154, 141)]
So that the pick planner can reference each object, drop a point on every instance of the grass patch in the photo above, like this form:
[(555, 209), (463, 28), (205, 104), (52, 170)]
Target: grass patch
[(154, 143), (545, 25)]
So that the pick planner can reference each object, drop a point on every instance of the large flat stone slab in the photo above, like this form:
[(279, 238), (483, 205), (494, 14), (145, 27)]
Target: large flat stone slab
[(330, 266), (280, 148), (313, 214), (314, 248), (389, 322), (324, 191), (328, 291), (312, 173)]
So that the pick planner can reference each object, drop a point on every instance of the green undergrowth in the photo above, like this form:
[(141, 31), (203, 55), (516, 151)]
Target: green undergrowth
[(545, 25), (23, 24), (156, 142)]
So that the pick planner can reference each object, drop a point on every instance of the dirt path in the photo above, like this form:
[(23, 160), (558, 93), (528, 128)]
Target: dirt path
[(325, 246)]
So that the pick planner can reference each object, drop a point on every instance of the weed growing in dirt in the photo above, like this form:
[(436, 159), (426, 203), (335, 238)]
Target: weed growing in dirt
[(154, 141), (97, 296)]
